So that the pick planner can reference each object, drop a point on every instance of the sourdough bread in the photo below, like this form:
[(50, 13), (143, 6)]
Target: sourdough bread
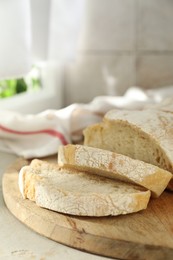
[(115, 166), (165, 105), (78, 193), (145, 135)]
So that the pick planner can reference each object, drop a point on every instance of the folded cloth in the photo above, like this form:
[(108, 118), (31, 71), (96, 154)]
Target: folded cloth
[(36, 136), (40, 135)]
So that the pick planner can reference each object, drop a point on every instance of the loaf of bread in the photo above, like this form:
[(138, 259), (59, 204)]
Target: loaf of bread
[(165, 105), (112, 165), (145, 135), (78, 193)]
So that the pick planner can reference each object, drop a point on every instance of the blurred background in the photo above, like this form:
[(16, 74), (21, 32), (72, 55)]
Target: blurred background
[(57, 52)]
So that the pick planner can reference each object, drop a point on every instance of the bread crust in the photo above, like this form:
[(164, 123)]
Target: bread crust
[(145, 135), (116, 166)]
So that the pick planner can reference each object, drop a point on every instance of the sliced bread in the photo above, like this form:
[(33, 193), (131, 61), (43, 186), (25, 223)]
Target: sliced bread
[(145, 135), (78, 193), (115, 166)]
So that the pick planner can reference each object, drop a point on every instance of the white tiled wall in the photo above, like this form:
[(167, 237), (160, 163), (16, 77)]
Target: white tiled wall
[(155, 25), (94, 75), (155, 70), (122, 43), (108, 25)]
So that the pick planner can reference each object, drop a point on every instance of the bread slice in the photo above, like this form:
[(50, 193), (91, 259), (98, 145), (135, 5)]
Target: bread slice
[(78, 193), (144, 135), (115, 166)]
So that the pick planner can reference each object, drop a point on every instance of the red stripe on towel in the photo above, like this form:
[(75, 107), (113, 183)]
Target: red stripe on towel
[(44, 131)]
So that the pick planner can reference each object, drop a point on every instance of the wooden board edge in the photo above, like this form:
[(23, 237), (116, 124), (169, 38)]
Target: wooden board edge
[(81, 240)]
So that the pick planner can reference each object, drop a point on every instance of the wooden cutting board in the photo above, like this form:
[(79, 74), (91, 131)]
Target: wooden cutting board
[(144, 235)]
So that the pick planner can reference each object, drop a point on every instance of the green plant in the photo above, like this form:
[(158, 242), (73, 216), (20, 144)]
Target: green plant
[(12, 87)]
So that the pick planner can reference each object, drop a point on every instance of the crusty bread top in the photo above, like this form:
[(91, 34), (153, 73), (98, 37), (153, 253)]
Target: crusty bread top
[(157, 124), (165, 105), (115, 166), (78, 193)]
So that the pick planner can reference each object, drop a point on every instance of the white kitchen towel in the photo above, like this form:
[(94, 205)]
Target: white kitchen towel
[(40, 135), (15, 42)]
